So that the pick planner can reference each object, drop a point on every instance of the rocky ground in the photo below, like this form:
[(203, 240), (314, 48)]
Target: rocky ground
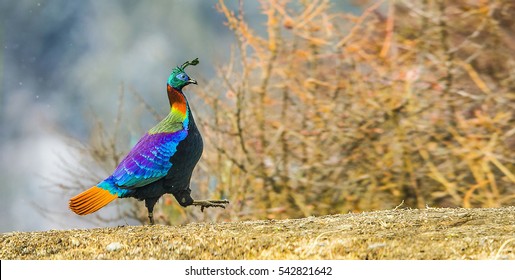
[(433, 233)]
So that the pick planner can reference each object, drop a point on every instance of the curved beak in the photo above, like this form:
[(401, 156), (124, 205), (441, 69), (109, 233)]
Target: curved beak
[(192, 81)]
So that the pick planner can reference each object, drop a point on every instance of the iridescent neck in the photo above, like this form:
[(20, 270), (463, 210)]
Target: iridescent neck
[(178, 118), (177, 100)]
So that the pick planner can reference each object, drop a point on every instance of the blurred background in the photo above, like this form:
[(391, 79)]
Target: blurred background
[(62, 62), (306, 107)]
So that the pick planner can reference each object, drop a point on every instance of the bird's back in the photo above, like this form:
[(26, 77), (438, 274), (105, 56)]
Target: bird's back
[(184, 160)]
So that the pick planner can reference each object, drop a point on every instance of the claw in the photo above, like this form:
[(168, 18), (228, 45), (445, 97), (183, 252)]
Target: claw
[(210, 203)]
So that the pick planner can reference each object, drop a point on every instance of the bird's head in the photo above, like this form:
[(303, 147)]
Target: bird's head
[(178, 79)]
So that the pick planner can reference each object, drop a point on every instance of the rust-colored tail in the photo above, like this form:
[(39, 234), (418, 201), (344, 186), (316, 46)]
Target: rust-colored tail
[(91, 200)]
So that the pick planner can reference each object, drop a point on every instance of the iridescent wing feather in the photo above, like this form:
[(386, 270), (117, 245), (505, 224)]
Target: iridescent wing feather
[(149, 160)]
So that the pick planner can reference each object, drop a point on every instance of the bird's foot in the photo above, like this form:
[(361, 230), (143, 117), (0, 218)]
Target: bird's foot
[(210, 203)]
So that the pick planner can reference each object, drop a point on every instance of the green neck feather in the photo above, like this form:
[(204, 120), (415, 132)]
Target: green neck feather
[(178, 118)]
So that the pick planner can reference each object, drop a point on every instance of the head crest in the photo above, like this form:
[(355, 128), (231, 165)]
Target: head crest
[(188, 63)]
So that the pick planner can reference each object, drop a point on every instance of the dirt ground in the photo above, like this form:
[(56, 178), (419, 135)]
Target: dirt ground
[(433, 233)]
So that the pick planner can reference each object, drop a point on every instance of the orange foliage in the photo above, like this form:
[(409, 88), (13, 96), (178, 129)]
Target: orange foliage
[(330, 112)]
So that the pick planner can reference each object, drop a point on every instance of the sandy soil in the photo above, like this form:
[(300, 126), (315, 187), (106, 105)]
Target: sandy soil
[(434, 233)]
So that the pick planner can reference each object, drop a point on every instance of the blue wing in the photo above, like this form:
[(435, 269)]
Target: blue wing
[(148, 161)]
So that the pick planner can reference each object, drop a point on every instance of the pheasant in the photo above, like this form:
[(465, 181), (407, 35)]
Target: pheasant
[(161, 162)]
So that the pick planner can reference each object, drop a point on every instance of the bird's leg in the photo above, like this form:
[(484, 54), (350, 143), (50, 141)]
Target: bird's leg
[(151, 217), (210, 203), (149, 203)]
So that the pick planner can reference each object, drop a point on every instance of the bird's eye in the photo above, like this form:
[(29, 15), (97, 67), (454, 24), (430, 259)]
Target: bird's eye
[(182, 77)]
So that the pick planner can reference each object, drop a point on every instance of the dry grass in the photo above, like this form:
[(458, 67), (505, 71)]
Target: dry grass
[(434, 233)]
